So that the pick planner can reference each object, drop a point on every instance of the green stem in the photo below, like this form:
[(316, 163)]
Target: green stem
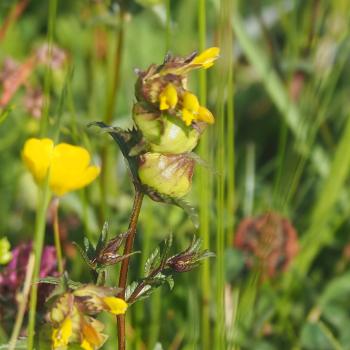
[(125, 263), (204, 194), (48, 73), (39, 235), (23, 303), (56, 231)]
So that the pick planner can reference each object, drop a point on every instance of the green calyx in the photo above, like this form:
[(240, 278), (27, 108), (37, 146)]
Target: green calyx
[(164, 133), (167, 174)]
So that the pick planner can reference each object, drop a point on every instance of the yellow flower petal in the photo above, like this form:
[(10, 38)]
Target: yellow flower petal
[(190, 102), (205, 115), (187, 117), (70, 169), (115, 305), (163, 104), (37, 155), (60, 336), (206, 58), (92, 338), (86, 345), (168, 97)]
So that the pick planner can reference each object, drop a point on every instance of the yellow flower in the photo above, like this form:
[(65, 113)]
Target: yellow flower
[(96, 299), (61, 335), (168, 97), (205, 115), (68, 166), (206, 58), (37, 155), (190, 102), (191, 106), (91, 336), (193, 111), (115, 306)]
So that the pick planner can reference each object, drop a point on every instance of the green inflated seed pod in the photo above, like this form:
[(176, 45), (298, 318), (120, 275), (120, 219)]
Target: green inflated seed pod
[(167, 174)]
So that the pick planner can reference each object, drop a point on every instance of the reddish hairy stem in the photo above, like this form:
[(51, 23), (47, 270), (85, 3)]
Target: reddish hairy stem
[(13, 16), (125, 263)]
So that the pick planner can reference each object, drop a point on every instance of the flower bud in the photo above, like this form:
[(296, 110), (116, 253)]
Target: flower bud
[(167, 174), (182, 263), (165, 133)]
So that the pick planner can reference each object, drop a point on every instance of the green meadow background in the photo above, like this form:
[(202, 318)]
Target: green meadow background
[(280, 94)]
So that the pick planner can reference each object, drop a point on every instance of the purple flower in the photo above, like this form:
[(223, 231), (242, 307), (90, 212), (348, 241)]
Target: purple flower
[(13, 275)]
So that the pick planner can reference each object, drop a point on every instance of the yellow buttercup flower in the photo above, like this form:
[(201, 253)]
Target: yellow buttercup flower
[(37, 155), (206, 58), (68, 166), (168, 97)]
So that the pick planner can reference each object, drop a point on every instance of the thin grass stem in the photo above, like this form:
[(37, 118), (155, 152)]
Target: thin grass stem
[(23, 303), (39, 235), (56, 231), (204, 190)]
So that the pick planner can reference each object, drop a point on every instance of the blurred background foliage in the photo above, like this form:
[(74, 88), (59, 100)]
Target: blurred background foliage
[(281, 143)]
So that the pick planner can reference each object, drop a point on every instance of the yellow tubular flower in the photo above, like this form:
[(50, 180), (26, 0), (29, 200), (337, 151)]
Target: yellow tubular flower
[(187, 117), (206, 58), (190, 107), (190, 102), (116, 306), (60, 336), (168, 97), (69, 165), (205, 115), (91, 336), (37, 155)]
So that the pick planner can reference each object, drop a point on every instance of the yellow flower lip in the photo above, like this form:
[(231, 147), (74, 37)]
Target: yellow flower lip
[(116, 306), (193, 111), (61, 335), (206, 58), (168, 97), (67, 166)]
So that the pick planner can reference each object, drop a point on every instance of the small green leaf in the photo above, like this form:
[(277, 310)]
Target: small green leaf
[(152, 262), (103, 238), (170, 281), (89, 248), (165, 249), (130, 289), (85, 257), (126, 140)]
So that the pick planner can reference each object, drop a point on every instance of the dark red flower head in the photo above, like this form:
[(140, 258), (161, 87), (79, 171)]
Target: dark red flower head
[(269, 240)]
